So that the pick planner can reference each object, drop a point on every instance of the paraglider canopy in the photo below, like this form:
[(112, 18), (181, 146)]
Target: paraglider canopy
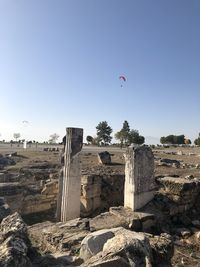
[(122, 78)]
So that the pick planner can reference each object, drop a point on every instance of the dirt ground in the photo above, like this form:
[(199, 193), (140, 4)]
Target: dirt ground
[(187, 251), (191, 155)]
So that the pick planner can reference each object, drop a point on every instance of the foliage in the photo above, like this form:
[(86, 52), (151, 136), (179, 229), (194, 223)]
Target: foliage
[(53, 138), (104, 133), (127, 136), (197, 141), (89, 139), (135, 138), (123, 134), (125, 131), (173, 139), (119, 136)]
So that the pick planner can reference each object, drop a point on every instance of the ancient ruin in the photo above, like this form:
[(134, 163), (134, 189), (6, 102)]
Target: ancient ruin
[(111, 211), (139, 177), (68, 206)]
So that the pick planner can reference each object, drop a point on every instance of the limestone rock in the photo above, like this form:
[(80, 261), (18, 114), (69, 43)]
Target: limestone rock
[(4, 161), (94, 242), (4, 209), (139, 188), (124, 217), (13, 225), (13, 253), (162, 249), (14, 243), (60, 237), (125, 249), (115, 261), (104, 157), (197, 236), (135, 245), (107, 220), (197, 166), (181, 191), (189, 177), (136, 221), (171, 162)]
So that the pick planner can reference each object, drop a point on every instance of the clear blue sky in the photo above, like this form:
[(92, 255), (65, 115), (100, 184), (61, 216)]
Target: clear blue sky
[(60, 62)]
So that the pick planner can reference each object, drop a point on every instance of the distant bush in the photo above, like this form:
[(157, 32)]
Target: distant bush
[(197, 141), (173, 139)]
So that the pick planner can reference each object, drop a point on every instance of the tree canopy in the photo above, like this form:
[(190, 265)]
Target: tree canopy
[(104, 133), (127, 136), (89, 139), (123, 134), (173, 139), (197, 141)]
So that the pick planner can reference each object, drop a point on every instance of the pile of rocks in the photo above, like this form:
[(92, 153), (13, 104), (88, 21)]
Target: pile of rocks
[(14, 243), (85, 245), (169, 163), (79, 242), (123, 248), (104, 157), (176, 195), (6, 160)]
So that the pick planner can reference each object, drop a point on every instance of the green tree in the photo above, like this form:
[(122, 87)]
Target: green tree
[(197, 141), (123, 134), (125, 131), (173, 139), (180, 139), (163, 140), (104, 132), (170, 139), (89, 139), (135, 138), (119, 136)]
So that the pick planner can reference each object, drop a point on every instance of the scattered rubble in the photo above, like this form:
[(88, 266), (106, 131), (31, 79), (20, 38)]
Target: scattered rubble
[(113, 238), (104, 157)]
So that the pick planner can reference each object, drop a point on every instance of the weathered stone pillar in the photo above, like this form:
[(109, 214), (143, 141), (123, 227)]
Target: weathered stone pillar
[(139, 177), (68, 205)]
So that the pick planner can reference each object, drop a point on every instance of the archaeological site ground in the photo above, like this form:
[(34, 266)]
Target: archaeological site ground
[(69, 205)]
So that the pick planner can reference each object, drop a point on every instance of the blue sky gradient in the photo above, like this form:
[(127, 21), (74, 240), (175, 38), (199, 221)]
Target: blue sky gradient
[(60, 63)]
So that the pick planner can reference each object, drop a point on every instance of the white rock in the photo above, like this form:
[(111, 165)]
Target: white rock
[(94, 242)]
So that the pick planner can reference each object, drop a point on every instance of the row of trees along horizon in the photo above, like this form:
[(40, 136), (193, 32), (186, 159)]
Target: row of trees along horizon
[(126, 136), (178, 140), (53, 139)]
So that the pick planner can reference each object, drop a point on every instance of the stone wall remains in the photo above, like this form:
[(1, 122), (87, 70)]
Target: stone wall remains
[(98, 193)]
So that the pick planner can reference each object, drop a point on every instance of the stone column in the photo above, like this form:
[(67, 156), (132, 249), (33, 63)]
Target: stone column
[(139, 177), (68, 205)]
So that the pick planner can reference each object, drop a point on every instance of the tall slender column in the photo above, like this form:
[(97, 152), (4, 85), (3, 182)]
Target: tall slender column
[(68, 206)]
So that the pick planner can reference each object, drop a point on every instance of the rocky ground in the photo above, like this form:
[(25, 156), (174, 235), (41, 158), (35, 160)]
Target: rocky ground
[(175, 205)]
